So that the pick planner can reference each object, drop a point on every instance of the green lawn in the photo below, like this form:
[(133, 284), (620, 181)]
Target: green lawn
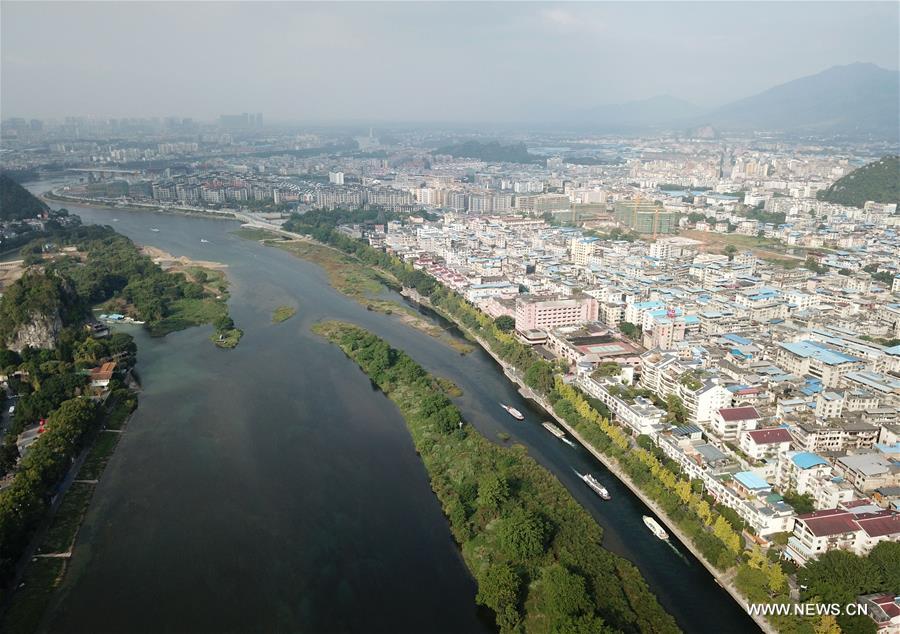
[(99, 455), (65, 524), (42, 576)]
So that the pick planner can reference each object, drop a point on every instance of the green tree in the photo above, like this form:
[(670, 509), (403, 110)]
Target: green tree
[(493, 491), (498, 589), (505, 323), (540, 377), (630, 330), (521, 536), (801, 503), (676, 409), (564, 600), (730, 251)]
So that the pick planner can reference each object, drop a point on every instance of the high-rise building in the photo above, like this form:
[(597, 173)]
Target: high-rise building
[(646, 216)]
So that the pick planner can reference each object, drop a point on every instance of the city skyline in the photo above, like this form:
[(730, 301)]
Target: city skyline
[(483, 62)]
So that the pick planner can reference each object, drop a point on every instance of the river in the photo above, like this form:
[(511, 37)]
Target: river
[(271, 487)]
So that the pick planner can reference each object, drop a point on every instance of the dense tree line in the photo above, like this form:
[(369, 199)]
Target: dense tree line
[(534, 551), (25, 501)]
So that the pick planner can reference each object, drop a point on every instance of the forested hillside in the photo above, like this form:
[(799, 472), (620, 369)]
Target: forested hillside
[(16, 202), (878, 181)]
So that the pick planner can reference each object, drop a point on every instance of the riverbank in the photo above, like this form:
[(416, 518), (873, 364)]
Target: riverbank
[(362, 284), (52, 196), (533, 550), (725, 581), (47, 559)]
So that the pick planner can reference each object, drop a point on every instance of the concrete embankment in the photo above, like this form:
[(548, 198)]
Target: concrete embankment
[(101, 204)]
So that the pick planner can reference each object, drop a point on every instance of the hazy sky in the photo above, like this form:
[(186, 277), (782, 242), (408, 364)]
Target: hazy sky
[(417, 61)]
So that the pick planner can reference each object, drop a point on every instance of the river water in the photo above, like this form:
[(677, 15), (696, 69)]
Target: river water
[(270, 487)]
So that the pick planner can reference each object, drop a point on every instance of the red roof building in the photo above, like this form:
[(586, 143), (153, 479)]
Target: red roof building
[(856, 526)]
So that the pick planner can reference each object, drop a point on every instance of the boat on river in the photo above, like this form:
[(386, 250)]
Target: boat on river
[(204, 240), (595, 485), (553, 429), (512, 411), (154, 230), (654, 526), (556, 431)]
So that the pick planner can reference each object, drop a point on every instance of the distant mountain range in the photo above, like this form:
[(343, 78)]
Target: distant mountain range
[(878, 181), (853, 99)]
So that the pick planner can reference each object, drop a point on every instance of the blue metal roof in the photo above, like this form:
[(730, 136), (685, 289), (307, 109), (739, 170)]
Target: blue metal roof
[(751, 480), (807, 460), (818, 352), (742, 341)]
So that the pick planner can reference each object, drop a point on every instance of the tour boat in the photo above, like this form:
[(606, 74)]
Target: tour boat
[(553, 429), (595, 485), (203, 240), (513, 412), (154, 230), (654, 526)]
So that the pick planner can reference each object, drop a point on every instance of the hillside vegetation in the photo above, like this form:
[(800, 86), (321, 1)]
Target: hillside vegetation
[(16, 202), (45, 298), (878, 181)]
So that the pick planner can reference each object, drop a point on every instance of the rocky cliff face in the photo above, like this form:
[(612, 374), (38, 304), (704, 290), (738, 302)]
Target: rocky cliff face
[(40, 331)]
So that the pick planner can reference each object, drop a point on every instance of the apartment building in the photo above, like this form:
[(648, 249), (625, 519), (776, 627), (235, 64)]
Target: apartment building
[(545, 313), (815, 359), (748, 495), (729, 422), (869, 471), (856, 526), (837, 436), (765, 444), (638, 414)]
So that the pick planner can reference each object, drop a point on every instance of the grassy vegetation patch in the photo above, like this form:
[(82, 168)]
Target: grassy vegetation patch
[(42, 576), (350, 277), (227, 338), (344, 274), (252, 233), (62, 531), (283, 313), (99, 455), (450, 388)]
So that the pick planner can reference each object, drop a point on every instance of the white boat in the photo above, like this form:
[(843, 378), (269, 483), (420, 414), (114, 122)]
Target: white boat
[(595, 485), (154, 230), (654, 526), (553, 429), (513, 412), (203, 240)]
